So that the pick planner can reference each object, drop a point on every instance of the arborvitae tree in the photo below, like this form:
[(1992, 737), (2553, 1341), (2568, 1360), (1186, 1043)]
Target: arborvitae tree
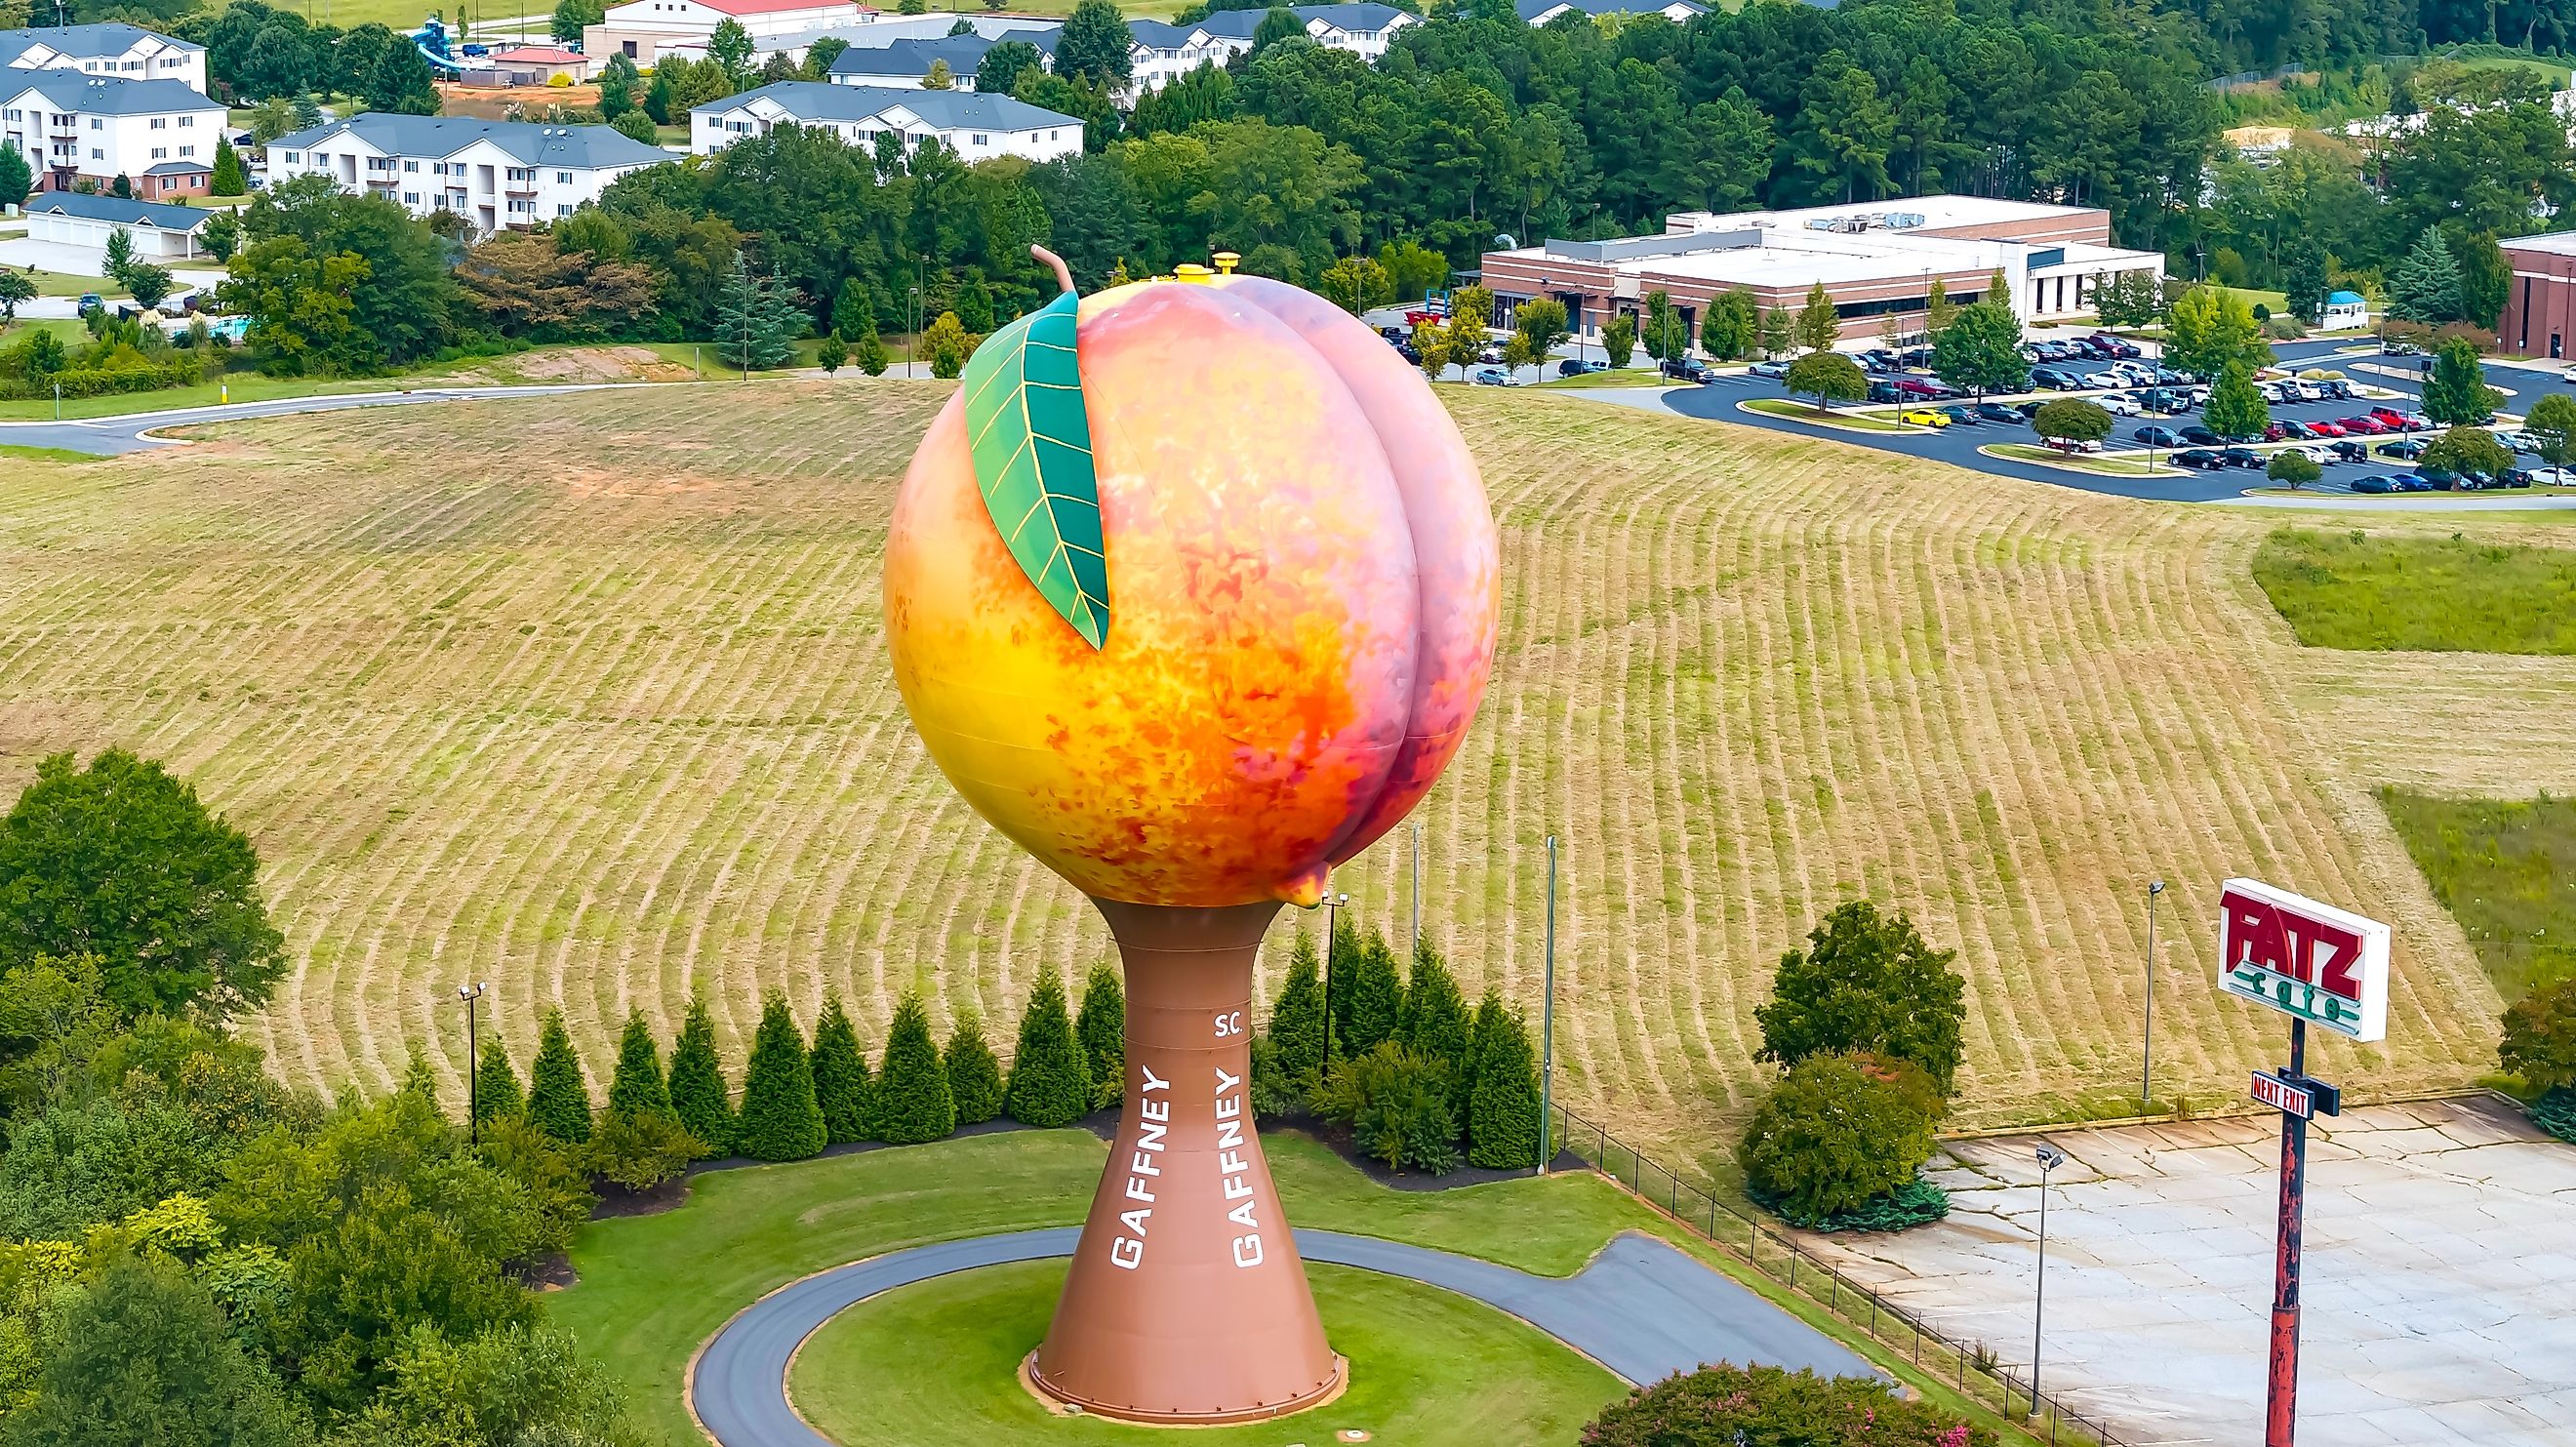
[(1297, 1022), (780, 1119), (228, 179), (1502, 1115), (1377, 998), (419, 1079), (638, 1088), (1102, 1028), (914, 1103), (698, 1094), (1437, 1025), (974, 1075), (1341, 972), (558, 1102), (841, 1085), (1050, 1082), (496, 1085)]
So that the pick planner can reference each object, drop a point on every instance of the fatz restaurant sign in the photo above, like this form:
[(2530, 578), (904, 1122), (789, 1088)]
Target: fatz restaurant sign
[(2324, 965)]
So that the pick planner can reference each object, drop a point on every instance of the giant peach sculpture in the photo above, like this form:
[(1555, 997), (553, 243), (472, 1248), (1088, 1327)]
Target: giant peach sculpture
[(1191, 593)]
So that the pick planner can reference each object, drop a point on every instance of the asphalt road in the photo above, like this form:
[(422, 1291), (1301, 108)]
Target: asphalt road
[(133, 432), (1641, 1308), (1959, 445)]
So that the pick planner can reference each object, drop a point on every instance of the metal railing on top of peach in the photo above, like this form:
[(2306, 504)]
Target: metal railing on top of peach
[(1970, 1370)]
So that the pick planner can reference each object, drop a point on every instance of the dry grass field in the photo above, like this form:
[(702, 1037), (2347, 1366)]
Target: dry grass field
[(587, 696)]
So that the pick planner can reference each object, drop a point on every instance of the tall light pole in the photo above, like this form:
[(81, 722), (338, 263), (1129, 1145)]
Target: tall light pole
[(1416, 951), (1333, 904), (473, 1061), (2050, 1158), (1547, 1024), (2147, 1056)]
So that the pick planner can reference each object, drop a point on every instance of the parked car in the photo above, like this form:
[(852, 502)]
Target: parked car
[(2518, 477), (1395, 334), (2373, 484), (2318, 453), (1921, 390), (2158, 436), (2363, 426), (1491, 352), (2244, 457), (2327, 429), (2117, 346), (2442, 477), (2056, 379), (2413, 482), (2392, 348), (1490, 377), (1878, 359), (2119, 404), (2027, 410), (2349, 451), (2553, 477), (1775, 371), (2335, 389), (1884, 392), (2389, 415), (1575, 367), (1998, 412), (2202, 437), (1409, 352), (2409, 448), (1683, 369), (1915, 357), (2072, 444), (2199, 457), (1962, 415), (1924, 417)]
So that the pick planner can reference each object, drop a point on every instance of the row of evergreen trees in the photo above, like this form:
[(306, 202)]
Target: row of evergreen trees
[(1457, 1072), (1359, 1041), (797, 1098)]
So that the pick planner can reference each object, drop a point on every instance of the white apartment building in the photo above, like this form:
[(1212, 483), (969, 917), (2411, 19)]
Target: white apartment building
[(1161, 53), (1540, 12), (117, 50), (493, 173), (641, 30), (976, 127), (158, 134), (905, 64)]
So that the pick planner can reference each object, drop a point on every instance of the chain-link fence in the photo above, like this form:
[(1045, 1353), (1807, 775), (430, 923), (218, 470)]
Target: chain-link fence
[(1970, 1369)]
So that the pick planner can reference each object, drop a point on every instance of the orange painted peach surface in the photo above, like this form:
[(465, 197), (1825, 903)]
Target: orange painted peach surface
[(1274, 692)]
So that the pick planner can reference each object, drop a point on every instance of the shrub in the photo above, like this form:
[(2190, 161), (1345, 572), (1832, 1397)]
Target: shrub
[(1397, 1106), (840, 1074), (914, 1103), (1839, 1130), (639, 1151), (1297, 1021), (1503, 1112), (1866, 982), (2540, 1037), (638, 1088), (1274, 1093), (974, 1075), (558, 1102), (1729, 1406), (1916, 1203), (108, 382), (1050, 1083), (780, 1121), (698, 1095), (1102, 1028)]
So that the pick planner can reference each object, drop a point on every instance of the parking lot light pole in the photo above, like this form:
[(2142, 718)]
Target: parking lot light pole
[(473, 1061), (2147, 1055), (1333, 905), (1547, 1025), (2050, 1158)]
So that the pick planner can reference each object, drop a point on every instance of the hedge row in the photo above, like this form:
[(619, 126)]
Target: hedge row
[(113, 383)]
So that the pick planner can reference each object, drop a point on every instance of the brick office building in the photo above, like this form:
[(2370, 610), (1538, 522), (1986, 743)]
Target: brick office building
[(1873, 259), (2540, 307)]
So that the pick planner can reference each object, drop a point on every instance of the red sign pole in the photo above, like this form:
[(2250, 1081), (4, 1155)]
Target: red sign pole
[(2281, 1401)]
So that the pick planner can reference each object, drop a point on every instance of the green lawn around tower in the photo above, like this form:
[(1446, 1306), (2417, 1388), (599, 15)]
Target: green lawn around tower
[(935, 1365), (651, 1290)]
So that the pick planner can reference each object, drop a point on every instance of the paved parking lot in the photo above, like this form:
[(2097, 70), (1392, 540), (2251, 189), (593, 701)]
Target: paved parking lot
[(2439, 1288), (1960, 445)]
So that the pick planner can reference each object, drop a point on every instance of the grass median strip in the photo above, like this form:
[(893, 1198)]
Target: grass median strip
[(2118, 464), (1806, 412)]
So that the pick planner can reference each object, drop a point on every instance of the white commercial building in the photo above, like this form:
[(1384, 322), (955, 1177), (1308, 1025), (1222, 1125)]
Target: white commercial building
[(158, 232), (642, 30), (1874, 259), (492, 173), (976, 127), (158, 134), (114, 49)]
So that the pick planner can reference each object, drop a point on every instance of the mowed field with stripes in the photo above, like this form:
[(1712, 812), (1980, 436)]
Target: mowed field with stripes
[(587, 696)]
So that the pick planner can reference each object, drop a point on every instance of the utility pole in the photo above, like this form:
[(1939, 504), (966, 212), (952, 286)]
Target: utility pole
[(1416, 950), (2147, 1056), (2050, 1158), (1547, 1027)]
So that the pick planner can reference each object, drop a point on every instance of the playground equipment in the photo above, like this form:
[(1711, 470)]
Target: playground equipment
[(431, 40)]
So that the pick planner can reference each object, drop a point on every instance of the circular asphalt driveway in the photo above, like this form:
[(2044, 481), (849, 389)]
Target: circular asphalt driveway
[(1641, 1308)]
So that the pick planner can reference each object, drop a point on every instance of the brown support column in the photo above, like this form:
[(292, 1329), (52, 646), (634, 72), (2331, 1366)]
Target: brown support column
[(1187, 1301)]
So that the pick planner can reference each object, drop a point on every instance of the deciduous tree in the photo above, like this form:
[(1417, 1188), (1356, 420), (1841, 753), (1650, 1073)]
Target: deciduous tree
[(2071, 419), (2235, 409), (2539, 1041), (2552, 423), (1866, 981), (145, 1358), (1980, 350), (1828, 377), (1839, 1130), (1818, 322)]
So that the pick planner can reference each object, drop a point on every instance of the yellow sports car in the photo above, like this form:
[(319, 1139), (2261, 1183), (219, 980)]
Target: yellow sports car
[(1924, 417)]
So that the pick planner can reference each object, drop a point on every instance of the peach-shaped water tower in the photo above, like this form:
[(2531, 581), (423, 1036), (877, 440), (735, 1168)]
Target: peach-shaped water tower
[(1190, 592)]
